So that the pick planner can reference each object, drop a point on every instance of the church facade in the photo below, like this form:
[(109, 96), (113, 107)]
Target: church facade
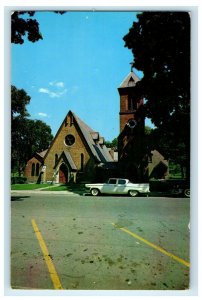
[(136, 161), (76, 154)]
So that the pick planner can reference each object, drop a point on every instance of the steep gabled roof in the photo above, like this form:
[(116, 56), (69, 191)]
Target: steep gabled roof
[(130, 80), (70, 160), (94, 141), (91, 137), (43, 153), (67, 157)]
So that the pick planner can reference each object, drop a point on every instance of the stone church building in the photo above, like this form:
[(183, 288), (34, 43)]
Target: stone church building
[(75, 154), (78, 153)]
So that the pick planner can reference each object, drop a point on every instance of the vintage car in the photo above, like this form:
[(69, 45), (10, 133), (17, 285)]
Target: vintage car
[(172, 187), (118, 186)]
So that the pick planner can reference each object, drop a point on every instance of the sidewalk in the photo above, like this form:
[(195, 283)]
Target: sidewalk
[(43, 192)]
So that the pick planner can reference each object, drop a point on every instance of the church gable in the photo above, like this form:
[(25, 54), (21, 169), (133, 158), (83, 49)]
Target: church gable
[(77, 146), (130, 80), (33, 168), (65, 157), (69, 140)]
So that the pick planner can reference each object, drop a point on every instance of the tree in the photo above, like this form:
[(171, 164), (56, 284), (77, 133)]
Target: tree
[(166, 144), (27, 136), (22, 26), (160, 42), (148, 130), (19, 100), (112, 144)]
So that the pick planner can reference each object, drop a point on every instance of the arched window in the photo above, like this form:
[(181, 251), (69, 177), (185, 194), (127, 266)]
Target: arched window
[(82, 161), (33, 169), (37, 169), (132, 105), (56, 158)]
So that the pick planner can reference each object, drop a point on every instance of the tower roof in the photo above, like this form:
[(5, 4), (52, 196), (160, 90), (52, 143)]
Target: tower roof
[(130, 80)]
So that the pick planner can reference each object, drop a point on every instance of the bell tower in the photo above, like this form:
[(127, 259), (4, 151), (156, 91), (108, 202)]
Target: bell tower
[(129, 105), (132, 126), (136, 160)]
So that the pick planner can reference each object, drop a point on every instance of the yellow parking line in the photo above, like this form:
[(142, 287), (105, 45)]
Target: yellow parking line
[(180, 260), (53, 274)]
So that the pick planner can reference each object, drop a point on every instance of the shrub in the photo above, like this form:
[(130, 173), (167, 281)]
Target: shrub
[(20, 180)]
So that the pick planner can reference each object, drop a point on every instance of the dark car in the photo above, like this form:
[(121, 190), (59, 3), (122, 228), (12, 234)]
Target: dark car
[(175, 187), (181, 187)]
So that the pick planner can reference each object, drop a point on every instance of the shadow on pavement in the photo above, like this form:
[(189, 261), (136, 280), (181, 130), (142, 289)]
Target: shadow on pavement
[(18, 198), (152, 194), (78, 189)]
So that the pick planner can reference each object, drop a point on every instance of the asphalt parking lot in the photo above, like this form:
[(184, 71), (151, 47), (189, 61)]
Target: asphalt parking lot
[(99, 243)]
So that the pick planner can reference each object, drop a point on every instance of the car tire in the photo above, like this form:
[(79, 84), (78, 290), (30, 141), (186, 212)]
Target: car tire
[(95, 192), (187, 192), (176, 192), (133, 193)]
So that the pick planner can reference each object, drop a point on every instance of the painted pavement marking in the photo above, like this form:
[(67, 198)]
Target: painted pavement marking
[(51, 268), (178, 259)]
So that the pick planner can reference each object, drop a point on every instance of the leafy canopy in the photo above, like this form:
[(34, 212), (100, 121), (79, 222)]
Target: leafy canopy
[(19, 100), (160, 43), (27, 136), (23, 25)]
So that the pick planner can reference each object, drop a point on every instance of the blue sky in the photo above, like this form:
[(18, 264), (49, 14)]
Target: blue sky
[(77, 66)]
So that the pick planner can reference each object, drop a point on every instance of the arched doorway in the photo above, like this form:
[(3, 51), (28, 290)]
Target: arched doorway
[(63, 174)]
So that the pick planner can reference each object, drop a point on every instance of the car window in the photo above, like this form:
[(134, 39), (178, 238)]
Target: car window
[(121, 181), (112, 181)]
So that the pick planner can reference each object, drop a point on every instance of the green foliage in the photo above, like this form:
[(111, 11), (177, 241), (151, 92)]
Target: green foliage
[(21, 26), (20, 180), (112, 144), (19, 100), (27, 136), (148, 130), (27, 187), (176, 170), (160, 42), (24, 26)]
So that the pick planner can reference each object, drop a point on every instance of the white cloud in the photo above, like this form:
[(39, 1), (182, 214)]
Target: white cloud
[(58, 84), (41, 114), (57, 94), (43, 90), (53, 94)]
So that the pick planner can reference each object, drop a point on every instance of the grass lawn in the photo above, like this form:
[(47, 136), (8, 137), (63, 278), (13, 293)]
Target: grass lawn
[(32, 186), (57, 188), (67, 187)]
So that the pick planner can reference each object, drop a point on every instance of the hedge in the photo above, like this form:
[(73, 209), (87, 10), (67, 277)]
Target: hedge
[(20, 180)]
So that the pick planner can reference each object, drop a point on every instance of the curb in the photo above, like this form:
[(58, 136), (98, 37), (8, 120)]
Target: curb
[(43, 192)]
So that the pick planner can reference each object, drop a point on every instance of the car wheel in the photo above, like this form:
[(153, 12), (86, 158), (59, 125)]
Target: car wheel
[(133, 193), (95, 192), (187, 192), (176, 191)]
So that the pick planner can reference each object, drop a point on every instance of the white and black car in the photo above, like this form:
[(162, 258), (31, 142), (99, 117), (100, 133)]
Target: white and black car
[(118, 186)]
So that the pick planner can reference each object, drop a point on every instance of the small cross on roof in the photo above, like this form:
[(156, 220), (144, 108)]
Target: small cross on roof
[(131, 63)]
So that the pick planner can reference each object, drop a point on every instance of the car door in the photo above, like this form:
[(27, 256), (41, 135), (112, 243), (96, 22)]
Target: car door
[(110, 187), (121, 187)]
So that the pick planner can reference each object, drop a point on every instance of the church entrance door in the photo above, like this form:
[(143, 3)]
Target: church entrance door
[(63, 174)]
